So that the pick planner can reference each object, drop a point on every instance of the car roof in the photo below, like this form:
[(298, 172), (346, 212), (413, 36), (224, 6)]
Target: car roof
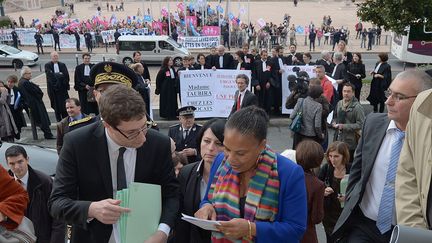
[(40, 158), (143, 37)]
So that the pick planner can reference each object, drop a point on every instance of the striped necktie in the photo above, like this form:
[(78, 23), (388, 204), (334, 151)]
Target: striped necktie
[(385, 211)]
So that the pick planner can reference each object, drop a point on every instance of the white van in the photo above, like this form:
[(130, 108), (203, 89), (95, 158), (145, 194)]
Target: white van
[(153, 49)]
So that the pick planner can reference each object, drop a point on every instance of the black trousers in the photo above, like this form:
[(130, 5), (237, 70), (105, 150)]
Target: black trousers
[(39, 45), (364, 230), (56, 43)]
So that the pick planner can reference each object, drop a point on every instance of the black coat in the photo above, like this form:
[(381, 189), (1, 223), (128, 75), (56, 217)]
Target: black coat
[(47, 229), (32, 95), (227, 61), (146, 74), (176, 133), (327, 66), (243, 66), (260, 78), (166, 87), (198, 66), (352, 70), (144, 91), (340, 73), (17, 113), (299, 57), (84, 175), (190, 177), (379, 85), (80, 80), (57, 85)]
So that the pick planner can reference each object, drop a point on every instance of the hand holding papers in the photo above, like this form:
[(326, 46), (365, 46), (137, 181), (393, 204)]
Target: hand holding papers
[(144, 201), (202, 223)]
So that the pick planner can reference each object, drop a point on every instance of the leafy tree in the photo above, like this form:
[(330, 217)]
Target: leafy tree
[(395, 15)]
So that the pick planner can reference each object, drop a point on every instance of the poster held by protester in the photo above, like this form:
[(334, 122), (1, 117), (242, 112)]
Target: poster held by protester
[(211, 92), (293, 70)]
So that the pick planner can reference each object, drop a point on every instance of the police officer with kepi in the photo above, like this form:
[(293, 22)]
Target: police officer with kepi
[(185, 133)]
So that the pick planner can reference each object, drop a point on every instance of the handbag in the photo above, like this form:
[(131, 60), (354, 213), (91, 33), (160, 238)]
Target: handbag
[(297, 121), (24, 233)]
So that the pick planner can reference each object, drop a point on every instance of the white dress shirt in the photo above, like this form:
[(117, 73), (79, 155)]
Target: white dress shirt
[(171, 73), (129, 158), (56, 68), (12, 97), (242, 96), (264, 66), (374, 188), (238, 66), (24, 180), (377, 67), (86, 70), (221, 61), (280, 62)]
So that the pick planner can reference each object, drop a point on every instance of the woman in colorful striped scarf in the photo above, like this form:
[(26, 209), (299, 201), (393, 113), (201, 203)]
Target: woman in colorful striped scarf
[(258, 195)]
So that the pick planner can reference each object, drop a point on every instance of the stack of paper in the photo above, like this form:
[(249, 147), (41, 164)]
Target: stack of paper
[(144, 201), (202, 223)]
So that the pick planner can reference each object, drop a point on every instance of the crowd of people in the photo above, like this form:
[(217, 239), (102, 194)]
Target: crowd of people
[(223, 170)]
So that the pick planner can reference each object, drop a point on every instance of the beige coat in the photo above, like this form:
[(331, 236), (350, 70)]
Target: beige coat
[(415, 165), (7, 123)]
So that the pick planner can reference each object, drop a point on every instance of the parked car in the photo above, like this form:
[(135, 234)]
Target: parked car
[(153, 49), (11, 56), (40, 158)]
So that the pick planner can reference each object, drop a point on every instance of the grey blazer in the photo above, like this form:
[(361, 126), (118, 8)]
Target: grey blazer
[(373, 133), (312, 115)]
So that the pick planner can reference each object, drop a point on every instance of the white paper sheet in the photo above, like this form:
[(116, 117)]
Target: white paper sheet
[(202, 223)]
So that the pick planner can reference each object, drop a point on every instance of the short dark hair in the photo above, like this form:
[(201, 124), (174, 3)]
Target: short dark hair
[(341, 148), (15, 150), (307, 54), (74, 100), (315, 91), (243, 76), (293, 45), (120, 103), (348, 84), (241, 54), (216, 125), (135, 53), (383, 56), (278, 48), (85, 55), (251, 120), (200, 55), (309, 154), (360, 57)]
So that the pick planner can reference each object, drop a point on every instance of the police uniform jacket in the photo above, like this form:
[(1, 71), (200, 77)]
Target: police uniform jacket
[(176, 133)]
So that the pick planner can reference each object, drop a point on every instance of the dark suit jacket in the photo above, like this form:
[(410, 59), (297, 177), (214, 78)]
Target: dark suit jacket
[(299, 57), (373, 133), (176, 133), (328, 67), (227, 61), (340, 73), (47, 229), (58, 82), (248, 100), (83, 176), (260, 76)]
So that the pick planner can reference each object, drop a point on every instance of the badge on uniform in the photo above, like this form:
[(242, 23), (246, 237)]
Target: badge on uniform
[(168, 74)]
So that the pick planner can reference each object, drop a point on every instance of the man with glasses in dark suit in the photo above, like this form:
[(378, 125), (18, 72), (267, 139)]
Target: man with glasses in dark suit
[(99, 159)]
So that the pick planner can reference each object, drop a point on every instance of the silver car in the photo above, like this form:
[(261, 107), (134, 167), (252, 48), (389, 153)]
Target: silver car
[(11, 56)]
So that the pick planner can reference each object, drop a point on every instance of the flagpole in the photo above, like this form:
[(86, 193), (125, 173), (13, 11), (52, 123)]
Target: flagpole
[(185, 11), (169, 18)]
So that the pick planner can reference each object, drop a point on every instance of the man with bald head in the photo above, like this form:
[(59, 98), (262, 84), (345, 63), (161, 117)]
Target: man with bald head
[(222, 60), (369, 211), (57, 77)]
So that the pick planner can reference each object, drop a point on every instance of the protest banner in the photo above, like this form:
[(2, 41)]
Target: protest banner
[(68, 41), (211, 92), (199, 42), (292, 70), (108, 36)]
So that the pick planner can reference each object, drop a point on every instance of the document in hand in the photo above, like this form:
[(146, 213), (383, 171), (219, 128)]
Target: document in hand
[(202, 223), (145, 203)]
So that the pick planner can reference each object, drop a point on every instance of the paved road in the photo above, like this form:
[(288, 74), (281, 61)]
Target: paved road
[(71, 61)]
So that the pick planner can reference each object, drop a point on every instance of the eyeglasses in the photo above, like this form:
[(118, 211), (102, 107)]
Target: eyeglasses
[(396, 96), (135, 133)]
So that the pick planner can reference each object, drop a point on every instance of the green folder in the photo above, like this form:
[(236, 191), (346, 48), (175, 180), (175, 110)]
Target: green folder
[(145, 203)]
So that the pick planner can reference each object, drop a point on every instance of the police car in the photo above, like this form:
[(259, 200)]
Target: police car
[(11, 56)]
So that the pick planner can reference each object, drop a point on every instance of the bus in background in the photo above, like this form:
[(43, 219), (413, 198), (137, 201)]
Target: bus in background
[(415, 47)]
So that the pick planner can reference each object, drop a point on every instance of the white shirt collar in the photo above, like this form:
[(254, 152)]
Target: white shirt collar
[(113, 146), (24, 179)]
